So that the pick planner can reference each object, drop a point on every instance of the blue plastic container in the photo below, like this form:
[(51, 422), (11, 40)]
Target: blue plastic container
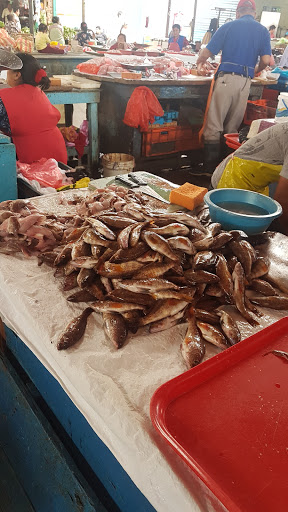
[(225, 205)]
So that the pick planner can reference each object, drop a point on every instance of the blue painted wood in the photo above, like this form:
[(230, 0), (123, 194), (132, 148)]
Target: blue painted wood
[(91, 98), (118, 484), (44, 468), (12, 494), (8, 179), (71, 97), (60, 64)]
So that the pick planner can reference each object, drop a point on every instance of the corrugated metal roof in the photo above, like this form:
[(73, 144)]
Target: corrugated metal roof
[(212, 9)]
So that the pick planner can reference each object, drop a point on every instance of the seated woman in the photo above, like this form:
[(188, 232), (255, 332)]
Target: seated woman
[(11, 26), (176, 42), (42, 39), (261, 161), (85, 35), (27, 115), (120, 44), (56, 31)]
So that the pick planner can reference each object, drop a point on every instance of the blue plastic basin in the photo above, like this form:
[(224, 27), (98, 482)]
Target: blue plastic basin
[(222, 200)]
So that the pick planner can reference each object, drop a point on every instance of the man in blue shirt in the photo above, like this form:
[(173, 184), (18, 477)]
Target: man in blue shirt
[(242, 41)]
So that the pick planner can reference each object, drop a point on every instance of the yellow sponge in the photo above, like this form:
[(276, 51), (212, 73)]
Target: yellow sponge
[(188, 195)]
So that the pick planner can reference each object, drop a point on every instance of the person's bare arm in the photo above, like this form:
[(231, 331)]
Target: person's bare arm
[(203, 56), (263, 63), (281, 195)]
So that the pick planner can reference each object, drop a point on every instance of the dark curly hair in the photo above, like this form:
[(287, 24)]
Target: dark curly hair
[(29, 70)]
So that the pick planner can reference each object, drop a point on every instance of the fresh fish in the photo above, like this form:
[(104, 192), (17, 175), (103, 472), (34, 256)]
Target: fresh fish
[(163, 309), (225, 278), (166, 323), (231, 262), (107, 284), (95, 289), (136, 232), (129, 254), (74, 235), (182, 243), (79, 249), (132, 319), (200, 276), (117, 221), (186, 219), (193, 346), (159, 244), (81, 296), (119, 270), (64, 255), (47, 257), (261, 286), (239, 293), (150, 257), (212, 334), (207, 316), (275, 302), (124, 236), (173, 229), (127, 296), (220, 240), (96, 251), (74, 330), (259, 268), (84, 262), (69, 268), (101, 228), (70, 282), (107, 254), (85, 277), (115, 328), (214, 228), (204, 243), (245, 254), (153, 270), (214, 290), (147, 285), (186, 294), (204, 260), (251, 307), (229, 327), (5, 214), (92, 238), (101, 306)]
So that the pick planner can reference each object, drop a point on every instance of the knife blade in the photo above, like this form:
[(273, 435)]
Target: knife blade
[(150, 192)]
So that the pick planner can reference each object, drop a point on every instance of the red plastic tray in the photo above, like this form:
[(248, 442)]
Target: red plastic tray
[(228, 419), (232, 140)]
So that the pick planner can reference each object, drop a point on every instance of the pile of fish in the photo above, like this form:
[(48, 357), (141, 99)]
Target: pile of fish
[(140, 266)]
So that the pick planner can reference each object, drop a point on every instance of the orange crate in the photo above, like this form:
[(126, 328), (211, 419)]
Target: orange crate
[(169, 139), (260, 109)]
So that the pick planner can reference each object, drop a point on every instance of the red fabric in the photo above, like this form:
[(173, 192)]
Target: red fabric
[(39, 75), (33, 121), (142, 107), (249, 3), (114, 46)]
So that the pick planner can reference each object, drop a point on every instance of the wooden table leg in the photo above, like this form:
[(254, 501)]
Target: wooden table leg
[(92, 115)]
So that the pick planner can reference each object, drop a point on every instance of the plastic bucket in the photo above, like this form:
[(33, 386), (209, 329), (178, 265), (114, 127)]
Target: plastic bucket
[(282, 108), (117, 163)]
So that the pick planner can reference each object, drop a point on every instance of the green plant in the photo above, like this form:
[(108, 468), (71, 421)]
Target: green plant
[(69, 33), (25, 30), (2, 24)]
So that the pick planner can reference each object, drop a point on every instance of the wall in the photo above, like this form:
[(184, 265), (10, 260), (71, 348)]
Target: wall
[(283, 4)]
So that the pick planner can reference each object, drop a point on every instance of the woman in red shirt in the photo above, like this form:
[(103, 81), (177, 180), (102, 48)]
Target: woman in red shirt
[(31, 120)]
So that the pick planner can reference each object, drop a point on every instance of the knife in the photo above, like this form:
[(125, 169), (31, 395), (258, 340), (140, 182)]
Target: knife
[(145, 189), (126, 182), (136, 179)]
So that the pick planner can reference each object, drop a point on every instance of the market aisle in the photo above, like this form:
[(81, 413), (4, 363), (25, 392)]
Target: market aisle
[(13, 498)]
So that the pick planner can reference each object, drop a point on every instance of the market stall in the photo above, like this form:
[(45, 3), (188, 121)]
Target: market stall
[(60, 64), (187, 95), (110, 388)]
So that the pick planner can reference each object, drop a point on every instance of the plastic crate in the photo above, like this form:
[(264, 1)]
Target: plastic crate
[(232, 140), (169, 139), (260, 109)]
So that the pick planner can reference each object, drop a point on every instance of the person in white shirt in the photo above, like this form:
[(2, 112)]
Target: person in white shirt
[(17, 20)]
